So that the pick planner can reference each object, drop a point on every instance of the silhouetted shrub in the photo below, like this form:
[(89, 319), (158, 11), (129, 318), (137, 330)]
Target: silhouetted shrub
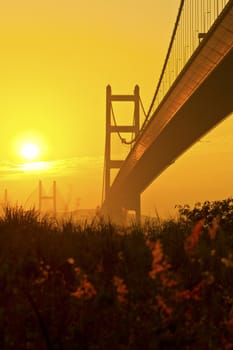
[(164, 285)]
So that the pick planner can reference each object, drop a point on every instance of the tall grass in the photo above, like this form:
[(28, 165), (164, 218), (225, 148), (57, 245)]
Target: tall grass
[(164, 285)]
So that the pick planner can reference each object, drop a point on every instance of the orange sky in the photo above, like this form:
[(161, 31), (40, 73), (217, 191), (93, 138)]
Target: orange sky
[(56, 59)]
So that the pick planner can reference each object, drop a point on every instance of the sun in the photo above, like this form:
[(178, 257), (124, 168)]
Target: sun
[(30, 147), (29, 151)]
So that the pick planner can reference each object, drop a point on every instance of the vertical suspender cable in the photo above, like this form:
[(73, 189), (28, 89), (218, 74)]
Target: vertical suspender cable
[(166, 59)]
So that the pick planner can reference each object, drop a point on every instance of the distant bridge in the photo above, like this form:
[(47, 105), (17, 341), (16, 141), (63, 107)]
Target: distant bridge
[(194, 94)]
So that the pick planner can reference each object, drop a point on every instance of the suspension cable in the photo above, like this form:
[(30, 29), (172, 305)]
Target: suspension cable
[(143, 109), (139, 132), (147, 115), (115, 123), (165, 62)]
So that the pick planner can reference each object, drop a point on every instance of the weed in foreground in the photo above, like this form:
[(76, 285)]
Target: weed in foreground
[(99, 286)]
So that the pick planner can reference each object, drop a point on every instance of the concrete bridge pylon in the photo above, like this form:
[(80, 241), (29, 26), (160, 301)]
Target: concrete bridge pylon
[(118, 211)]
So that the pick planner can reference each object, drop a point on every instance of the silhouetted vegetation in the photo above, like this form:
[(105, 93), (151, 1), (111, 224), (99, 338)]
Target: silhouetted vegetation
[(164, 285)]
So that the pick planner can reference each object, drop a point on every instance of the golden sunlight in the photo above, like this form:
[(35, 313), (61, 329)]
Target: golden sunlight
[(36, 166), (29, 151), (29, 146)]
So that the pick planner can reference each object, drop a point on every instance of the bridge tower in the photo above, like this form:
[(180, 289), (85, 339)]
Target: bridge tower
[(52, 198), (111, 128)]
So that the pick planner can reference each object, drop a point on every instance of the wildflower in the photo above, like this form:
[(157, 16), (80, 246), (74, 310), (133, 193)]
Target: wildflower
[(213, 229), (121, 289), (193, 294), (44, 277), (157, 251), (163, 306), (168, 283), (120, 256), (40, 280), (209, 277), (157, 264), (70, 261), (193, 238), (227, 262), (185, 295), (213, 251), (85, 290), (155, 270), (196, 290), (77, 270)]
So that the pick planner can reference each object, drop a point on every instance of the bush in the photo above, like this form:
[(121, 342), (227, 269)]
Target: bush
[(222, 211), (99, 286)]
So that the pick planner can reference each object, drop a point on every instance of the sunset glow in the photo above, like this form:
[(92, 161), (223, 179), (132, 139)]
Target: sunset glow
[(36, 166), (57, 57), (29, 151)]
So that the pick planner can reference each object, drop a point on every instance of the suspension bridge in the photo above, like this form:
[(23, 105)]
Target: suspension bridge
[(194, 93), (48, 199)]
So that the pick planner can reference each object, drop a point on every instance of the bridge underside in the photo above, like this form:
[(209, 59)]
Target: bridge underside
[(207, 107), (186, 115)]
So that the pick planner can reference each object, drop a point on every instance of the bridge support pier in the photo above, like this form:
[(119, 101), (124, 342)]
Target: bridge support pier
[(138, 209), (119, 210), (134, 204)]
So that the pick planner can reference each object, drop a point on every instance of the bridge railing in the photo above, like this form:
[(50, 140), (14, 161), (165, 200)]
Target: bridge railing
[(194, 20)]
